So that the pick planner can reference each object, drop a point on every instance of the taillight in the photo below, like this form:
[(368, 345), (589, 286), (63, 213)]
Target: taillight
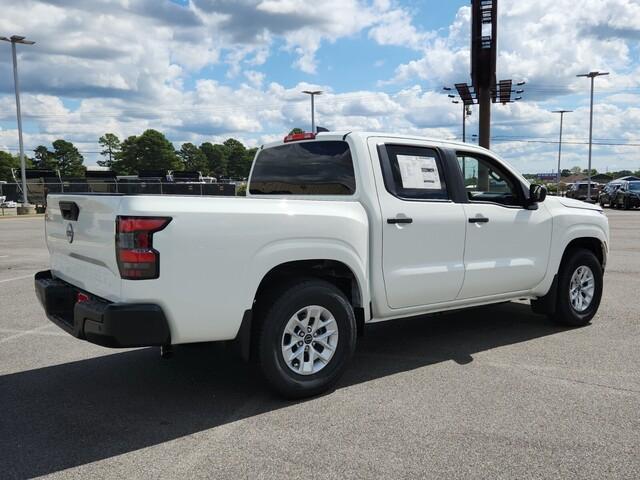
[(137, 259)]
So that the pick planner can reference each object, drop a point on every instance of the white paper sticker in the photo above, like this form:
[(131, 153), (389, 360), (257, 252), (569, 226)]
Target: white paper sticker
[(419, 172)]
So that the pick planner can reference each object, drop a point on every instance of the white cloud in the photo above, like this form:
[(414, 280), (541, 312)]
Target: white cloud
[(131, 64)]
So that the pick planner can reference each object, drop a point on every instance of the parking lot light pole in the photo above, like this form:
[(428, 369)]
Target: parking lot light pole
[(13, 40), (592, 76), (313, 93), (561, 112)]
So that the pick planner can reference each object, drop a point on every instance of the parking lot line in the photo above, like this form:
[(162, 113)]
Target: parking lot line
[(17, 278), (23, 333)]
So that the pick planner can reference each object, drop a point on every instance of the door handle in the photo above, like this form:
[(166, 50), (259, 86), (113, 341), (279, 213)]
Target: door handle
[(479, 220), (69, 210), (393, 221)]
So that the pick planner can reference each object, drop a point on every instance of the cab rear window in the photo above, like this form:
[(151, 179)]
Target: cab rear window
[(304, 168)]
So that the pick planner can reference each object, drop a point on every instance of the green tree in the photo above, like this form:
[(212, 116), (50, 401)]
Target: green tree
[(68, 159), (193, 158), (8, 162), (216, 158), (248, 161), (126, 160), (149, 151), (622, 173), (236, 152), (44, 158), (565, 172), (296, 130), (576, 170), (111, 146)]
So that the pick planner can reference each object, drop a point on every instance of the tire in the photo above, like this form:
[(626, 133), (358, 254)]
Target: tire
[(567, 313), (305, 299), (626, 204)]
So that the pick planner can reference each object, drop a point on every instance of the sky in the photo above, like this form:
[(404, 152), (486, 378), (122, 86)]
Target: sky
[(207, 70)]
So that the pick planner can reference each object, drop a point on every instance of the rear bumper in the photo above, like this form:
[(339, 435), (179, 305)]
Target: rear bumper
[(116, 325)]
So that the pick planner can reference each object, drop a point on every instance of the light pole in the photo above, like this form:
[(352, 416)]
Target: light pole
[(561, 112), (312, 94), (592, 76), (13, 40), (466, 111)]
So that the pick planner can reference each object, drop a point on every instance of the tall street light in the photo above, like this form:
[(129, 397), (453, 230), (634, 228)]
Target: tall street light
[(313, 93), (592, 76), (13, 40), (466, 111), (561, 112)]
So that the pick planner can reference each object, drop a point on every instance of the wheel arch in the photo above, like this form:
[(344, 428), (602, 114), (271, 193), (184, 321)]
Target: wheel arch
[(593, 244), (344, 274)]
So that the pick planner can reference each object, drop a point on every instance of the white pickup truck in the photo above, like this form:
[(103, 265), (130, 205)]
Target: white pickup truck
[(338, 230)]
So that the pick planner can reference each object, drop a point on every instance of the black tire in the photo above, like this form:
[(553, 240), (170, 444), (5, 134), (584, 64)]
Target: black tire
[(565, 313), (276, 308)]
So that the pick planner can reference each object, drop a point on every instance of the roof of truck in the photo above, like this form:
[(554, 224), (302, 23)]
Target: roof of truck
[(342, 134)]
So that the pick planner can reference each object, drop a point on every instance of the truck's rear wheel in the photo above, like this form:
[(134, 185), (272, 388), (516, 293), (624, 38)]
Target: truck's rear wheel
[(579, 288), (306, 336)]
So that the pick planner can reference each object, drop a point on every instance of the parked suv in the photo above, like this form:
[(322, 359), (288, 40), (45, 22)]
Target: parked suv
[(608, 193), (627, 196), (579, 191)]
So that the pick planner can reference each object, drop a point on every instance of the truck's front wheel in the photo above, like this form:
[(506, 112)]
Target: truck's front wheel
[(306, 336), (579, 288)]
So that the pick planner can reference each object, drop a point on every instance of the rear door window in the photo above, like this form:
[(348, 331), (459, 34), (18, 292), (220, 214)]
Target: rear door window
[(304, 168), (413, 173)]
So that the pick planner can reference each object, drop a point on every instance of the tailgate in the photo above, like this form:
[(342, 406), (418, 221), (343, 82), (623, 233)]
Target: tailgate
[(80, 233)]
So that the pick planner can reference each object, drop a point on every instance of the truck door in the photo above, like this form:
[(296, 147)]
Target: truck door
[(507, 245), (422, 228)]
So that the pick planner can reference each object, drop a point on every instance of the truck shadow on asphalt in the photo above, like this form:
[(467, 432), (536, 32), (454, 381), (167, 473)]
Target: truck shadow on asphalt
[(67, 415)]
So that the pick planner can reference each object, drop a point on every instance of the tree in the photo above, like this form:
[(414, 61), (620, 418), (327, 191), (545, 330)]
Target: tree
[(44, 159), (193, 158), (565, 172), (149, 151), (68, 159), (235, 152), (7, 163), (111, 146), (296, 130), (248, 161), (576, 170), (126, 160), (216, 158), (622, 173)]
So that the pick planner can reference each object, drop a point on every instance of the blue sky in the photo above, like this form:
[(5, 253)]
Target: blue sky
[(206, 70)]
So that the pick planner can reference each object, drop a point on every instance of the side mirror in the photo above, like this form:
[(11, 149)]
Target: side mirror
[(537, 194)]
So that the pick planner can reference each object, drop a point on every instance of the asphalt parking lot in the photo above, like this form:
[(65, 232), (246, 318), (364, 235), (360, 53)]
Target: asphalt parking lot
[(494, 392)]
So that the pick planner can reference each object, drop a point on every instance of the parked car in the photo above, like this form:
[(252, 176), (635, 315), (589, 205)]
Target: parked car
[(627, 196), (8, 204), (579, 191), (608, 193), (338, 230)]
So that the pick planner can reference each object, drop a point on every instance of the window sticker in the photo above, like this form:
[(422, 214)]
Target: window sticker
[(419, 172)]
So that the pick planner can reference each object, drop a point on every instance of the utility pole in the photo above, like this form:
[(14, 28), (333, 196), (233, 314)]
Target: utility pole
[(312, 94), (13, 40), (592, 76), (561, 112)]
